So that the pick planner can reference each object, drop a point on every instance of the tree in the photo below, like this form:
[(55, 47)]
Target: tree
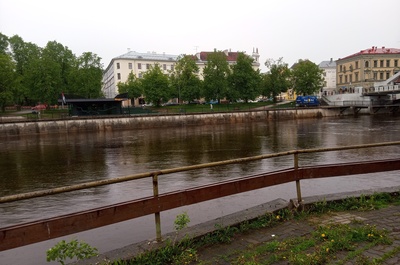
[(184, 79), (132, 86), (244, 80), (3, 44), (307, 77), (7, 80), (276, 80), (215, 73), (85, 76), (155, 84)]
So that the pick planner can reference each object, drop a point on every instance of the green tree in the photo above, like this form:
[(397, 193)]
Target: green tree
[(85, 76), (244, 80), (215, 73), (7, 80), (277, 79), (155, 84), (132, 86), (3, 43), (27, 57), (184, 79), (307, 77)]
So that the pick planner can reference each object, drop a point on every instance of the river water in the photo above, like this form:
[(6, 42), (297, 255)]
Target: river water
[(46, 161)]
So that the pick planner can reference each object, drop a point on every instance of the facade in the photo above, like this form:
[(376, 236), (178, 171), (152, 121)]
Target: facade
[(329, 68), (366, 67), (138, 63)]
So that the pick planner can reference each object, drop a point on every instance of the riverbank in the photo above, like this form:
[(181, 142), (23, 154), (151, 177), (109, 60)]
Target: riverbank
[(385, 219), (85, 124)]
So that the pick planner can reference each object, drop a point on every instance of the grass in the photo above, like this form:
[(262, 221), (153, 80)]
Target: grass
[(326, 244)]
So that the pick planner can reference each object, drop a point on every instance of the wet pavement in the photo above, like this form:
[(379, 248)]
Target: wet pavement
[(387, 218)]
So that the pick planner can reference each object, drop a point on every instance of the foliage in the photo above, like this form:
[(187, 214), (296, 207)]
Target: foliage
[(156, 86), (42, 74), (215, 73), (244, 81), (307, 77), (132, 86), (184, 79), (73, 249), (7, 80), (276, 80), (181, 221)]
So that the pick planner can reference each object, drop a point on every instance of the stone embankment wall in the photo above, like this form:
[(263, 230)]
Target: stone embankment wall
[(155, 121)]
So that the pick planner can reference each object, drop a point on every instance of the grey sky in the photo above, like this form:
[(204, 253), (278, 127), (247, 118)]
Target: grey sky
[(310, 29)]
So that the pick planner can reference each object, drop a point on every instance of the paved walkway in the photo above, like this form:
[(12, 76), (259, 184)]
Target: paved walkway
[(386, 218)]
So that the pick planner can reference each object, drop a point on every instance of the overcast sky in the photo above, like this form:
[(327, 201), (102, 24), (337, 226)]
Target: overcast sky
[(310, 29)]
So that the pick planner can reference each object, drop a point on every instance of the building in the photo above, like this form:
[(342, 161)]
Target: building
[(329, 68), (138, 63), (366, 67)]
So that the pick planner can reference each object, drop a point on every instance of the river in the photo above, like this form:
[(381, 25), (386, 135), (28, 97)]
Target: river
[(45, 161)]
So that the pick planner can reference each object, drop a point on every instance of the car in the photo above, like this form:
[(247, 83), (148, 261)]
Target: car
[(38, 108)]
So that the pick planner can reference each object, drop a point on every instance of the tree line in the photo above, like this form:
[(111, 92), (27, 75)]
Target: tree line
[(31, 74), (223, 81)]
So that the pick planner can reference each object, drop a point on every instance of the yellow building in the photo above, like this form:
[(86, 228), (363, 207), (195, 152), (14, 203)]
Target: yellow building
[(366, 67)]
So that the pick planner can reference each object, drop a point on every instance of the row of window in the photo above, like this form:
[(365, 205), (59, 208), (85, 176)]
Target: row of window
[(139, 66), (349, 78), (376, 63)]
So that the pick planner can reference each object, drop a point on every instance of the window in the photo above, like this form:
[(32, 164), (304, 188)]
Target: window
[(380, 76), (396, 63), (139, 66), (340, 68), (164, 67), (140, 75), (345, 78), (147, 66), (366, 64), (130, 65), (387, 63), (375, 76), (118, 66), (118, 76), (172, 67), (387, 75), (375, 63), (350, 78), (340, 79), (356, 64), (381, 63), (356, 76)]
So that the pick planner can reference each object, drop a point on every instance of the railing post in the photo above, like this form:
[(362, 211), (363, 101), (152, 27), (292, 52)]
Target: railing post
[(296, 167), (157, 214)]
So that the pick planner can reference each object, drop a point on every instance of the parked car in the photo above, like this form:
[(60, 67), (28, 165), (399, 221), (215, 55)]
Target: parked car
[(38, 108)]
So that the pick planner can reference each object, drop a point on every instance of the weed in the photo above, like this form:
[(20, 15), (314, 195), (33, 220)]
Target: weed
[(73, 249)]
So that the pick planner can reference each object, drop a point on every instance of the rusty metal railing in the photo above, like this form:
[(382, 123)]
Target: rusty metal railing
[(24, 234)]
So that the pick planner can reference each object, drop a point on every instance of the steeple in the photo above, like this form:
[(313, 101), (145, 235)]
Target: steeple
[(256, 56)]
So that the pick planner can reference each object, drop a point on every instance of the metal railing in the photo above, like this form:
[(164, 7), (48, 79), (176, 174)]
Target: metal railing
[(41, 230)]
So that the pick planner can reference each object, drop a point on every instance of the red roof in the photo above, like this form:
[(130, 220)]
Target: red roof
[(230, 56), (375, 50)]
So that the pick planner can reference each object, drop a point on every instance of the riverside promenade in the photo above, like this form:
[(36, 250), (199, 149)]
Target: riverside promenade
[(387, 218)]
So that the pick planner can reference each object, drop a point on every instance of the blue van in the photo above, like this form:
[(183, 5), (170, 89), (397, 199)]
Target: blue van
[(307, 101)]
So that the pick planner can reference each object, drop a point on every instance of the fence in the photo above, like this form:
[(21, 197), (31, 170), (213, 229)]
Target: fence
[(37, 231)]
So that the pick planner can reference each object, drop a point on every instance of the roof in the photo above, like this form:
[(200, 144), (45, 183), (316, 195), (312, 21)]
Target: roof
[(327, 64), (230, 56), (375, 50), (153, 56)]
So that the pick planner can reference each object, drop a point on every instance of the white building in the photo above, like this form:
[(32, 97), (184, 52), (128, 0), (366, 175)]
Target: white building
[(138, 63), (329, 68)]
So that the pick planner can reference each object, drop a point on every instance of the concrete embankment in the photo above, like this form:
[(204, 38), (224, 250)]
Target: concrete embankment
[(74, 125)]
